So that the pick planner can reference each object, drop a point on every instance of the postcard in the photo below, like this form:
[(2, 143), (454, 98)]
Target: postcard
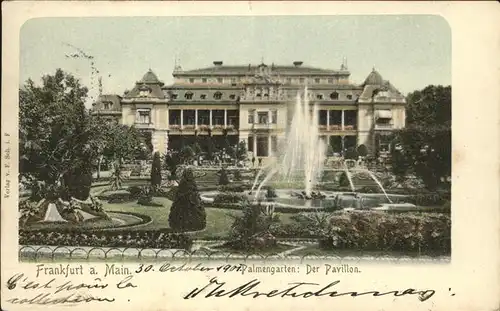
[(250, 156)]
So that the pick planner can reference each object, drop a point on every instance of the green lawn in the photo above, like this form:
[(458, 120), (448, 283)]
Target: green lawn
[(219, 220)]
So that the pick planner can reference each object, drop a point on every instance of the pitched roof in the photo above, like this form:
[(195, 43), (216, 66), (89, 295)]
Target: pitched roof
[(374, 78), (150, 78), (112, 99), (242, 70), (375, 86), (149, 82)]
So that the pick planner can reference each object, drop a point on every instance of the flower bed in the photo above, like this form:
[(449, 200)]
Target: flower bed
[(229, 197), (116, 238), (409, 232)]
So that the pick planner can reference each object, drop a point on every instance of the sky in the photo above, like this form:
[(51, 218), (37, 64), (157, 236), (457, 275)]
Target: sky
[(411, 51)]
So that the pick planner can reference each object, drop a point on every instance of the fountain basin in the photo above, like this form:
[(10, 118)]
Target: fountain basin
[(329, 199), (396, 207)]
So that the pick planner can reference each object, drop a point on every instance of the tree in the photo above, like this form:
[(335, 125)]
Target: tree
[(425, 142), (362, 150), (187, 154), (58, 138), (223, 178), (241, 151), (156, 172), (187, 212), (122, 142), (172, 160)]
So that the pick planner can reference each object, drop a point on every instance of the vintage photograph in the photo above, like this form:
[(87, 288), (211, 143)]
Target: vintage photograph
[(154, 138)]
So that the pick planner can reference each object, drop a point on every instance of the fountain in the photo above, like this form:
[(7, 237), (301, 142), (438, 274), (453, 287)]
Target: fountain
[(302, 156), (304, 150)]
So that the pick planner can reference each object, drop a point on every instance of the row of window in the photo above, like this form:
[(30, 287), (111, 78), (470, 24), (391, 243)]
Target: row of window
[(286, 80), (263, 117), (218, 96)]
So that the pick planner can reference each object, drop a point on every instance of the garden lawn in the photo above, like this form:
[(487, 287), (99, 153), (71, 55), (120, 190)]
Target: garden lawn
[(159, 215), (219, 221)]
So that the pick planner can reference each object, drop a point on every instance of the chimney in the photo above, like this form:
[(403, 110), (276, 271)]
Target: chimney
[(218, 63), (297, 63)]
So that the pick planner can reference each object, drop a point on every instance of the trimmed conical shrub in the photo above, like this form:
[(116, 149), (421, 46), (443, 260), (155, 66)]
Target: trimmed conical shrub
[(156, 171), (223, 178), (187, 212)]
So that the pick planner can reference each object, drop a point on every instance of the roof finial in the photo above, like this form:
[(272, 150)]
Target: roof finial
[(373, 68), (262, 60), (177, 64), (344, 63)]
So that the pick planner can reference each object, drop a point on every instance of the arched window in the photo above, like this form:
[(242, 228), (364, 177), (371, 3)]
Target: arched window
[(188, 95), (334, 96), (217, 95)]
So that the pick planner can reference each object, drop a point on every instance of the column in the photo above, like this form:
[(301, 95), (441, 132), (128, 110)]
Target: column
[(269, 149), (196, 118), (210, 118), (342, 120), (168, 118), (225, 117), (328, 119), (182, 118), (255, 145), (343, 144)]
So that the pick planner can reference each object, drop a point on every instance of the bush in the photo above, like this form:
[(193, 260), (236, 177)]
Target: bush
[(156, 171), (428, 199), (233, 188), (170, 193), (223, 178), (229, 197), (117, 197), (253, 229), (344, 180), (362, 150), (164, 238), (78, 185), (237, 175), (408, 232), (135, 191), (187, 212), (271, 193)]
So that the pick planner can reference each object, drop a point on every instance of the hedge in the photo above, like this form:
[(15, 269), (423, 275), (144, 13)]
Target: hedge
[(163, 238)]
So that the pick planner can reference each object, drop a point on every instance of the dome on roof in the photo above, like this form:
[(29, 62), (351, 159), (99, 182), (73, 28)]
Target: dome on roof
[(374, 78), (150, 77)]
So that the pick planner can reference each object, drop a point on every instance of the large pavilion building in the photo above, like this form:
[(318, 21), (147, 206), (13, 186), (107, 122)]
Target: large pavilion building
[(254, 103)]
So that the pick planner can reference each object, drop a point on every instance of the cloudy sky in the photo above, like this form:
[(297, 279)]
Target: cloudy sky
[(409, 50)]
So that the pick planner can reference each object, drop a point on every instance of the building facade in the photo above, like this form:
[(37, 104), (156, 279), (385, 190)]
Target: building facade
[(223, 105)]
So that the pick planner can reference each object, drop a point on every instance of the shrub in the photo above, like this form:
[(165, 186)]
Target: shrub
[(170, 193), (253, 229), (271, 193), (156, 171), (229, 197), (135, 191), (428, 199), (187, 212), (362, 150), (408, 232), (223, 178), (237, 175), (344, 180), (233, 188)]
